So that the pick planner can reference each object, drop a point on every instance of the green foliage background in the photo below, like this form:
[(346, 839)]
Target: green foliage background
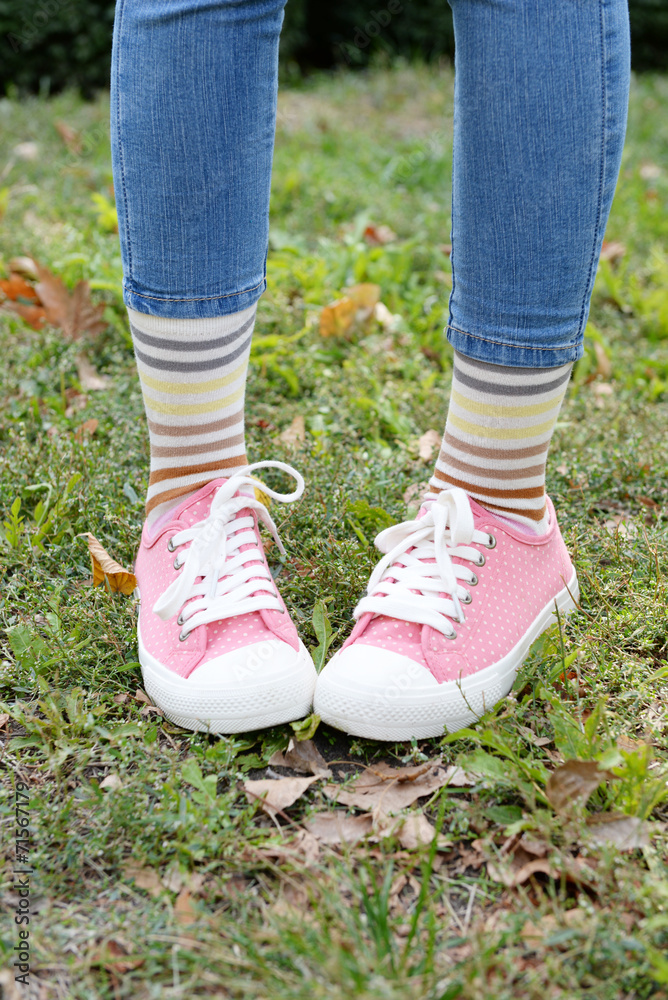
[(47, 45)]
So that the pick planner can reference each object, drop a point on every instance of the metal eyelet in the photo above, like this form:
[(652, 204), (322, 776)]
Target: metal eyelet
[(183, 636), (453, 636), (170, 545), (180, 620), (481, 561), (492, 542), (467, 599), (177, 564), (473, 582)]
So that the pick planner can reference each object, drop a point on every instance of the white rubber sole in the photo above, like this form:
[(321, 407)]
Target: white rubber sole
[(258, 687), (412, 705)]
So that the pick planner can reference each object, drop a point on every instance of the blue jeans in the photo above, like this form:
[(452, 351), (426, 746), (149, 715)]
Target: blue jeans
[(541, 93)]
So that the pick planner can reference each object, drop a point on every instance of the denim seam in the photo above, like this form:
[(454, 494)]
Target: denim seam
[(601, 179), (499, 343), (120, 10), (202, 298)]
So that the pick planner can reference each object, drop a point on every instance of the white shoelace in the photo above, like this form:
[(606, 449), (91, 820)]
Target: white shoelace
[(217, 580), (418, 565)]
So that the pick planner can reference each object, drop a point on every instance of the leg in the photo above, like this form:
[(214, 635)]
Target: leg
[(193, 108), (540, 110), (194, 87), (541, 93)]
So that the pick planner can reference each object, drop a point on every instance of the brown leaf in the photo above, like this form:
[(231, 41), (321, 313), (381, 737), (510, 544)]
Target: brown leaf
[(389, 321), (384, 789), (142, 697), (115, 957), (107, 569), (88, 376), (25, 266), (4, 719), (120, 699), (412, 832), (339, 828), (612, 250), (143, 878), (379, 235), (429, 440), (534, 931), (73, 312), (603, 363), (356, 306), (519, 869), (277, 793), (87, 428), (365, 295), (294, 434), (572, 784), (626, 833), (16, 287), (184, 911), (304, 756), (69, 135), (112, 782), (307, 845), (34, 316)]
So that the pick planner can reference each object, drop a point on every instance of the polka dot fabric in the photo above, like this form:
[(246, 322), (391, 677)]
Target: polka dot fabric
[(154, 569), (520, 576)]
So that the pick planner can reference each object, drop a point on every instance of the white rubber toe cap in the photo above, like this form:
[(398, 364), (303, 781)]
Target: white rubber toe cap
[(264, 684)]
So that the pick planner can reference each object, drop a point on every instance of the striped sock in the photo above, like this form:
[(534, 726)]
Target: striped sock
[(193, 378), (500, 423)]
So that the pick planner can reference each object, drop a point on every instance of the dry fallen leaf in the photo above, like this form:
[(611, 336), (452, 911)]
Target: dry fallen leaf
[(87, 428), (112, 782), (612, 250), (16, 287), (26, 151), (519, 868), (603, 363), (184, 911), (384, 789), (115, 957), (379, 235), (294, 433), (25, 266), (429, 440), (277, 793), (626, 833), (143, 878), (389, 321), (73, 311), (4, 719), (304, 756), (69, 135), (534, 931), (88, 376), (355, 307), (339, 828), (572, 783), (107, 569), (412, 832)]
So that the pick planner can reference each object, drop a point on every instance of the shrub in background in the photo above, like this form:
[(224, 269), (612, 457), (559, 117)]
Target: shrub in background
[(46, 45)]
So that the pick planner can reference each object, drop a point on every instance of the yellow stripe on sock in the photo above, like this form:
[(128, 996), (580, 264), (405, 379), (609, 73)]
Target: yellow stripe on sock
[(191, 409), (193, 388), (501, 433), (498, 410)]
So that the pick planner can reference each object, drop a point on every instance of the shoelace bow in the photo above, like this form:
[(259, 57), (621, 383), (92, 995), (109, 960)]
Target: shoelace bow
[(217, 579), (418, 568)]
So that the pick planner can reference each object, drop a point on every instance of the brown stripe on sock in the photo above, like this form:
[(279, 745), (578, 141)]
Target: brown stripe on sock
[(159, 475), (528, 493), (482, 452), (196, 449), (533, 515), (168, 430), (525, 473)]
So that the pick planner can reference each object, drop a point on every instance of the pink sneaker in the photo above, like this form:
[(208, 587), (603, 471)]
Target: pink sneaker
[(416, 664), (217, 647)]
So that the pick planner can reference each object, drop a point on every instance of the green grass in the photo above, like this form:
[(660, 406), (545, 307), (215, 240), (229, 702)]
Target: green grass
[(350, 149)]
